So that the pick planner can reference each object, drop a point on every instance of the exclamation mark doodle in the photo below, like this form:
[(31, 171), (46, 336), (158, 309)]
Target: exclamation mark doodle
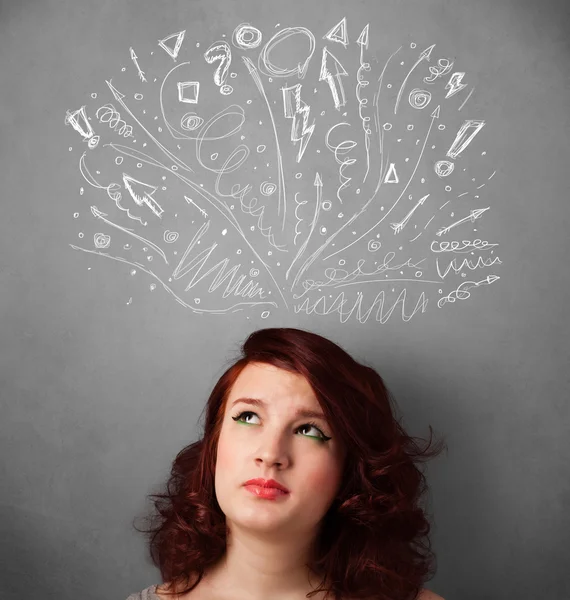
[(464, 137)]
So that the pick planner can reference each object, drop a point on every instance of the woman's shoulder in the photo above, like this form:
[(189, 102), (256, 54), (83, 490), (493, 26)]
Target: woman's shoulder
[(148, 593), (426, 594)]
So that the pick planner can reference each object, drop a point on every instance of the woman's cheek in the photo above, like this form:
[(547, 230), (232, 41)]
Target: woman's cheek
[(324, 478), (225, 455)]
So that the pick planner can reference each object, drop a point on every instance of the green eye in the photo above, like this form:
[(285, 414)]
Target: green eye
[(321, 437)]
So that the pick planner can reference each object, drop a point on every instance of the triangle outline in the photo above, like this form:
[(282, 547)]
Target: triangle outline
[(338, 33), (173, 51), (392, 172)]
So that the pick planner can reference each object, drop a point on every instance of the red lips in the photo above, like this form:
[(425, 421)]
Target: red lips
[(267, 483)]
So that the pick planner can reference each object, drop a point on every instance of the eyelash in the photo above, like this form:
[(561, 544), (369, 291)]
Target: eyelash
[(323, 439)]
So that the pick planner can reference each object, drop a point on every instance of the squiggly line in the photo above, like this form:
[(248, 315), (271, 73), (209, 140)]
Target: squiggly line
[(461, 292), (468, 246), (319, 307), (466, 263), (362, 102), (109, 114), (319, 185), (240, 194), (341, 148), (341, 277), (231, 164), (299, 220)]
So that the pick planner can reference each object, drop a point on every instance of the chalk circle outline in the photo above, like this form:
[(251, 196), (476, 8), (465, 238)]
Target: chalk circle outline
[(443, 168), (243, 29), (419, 98)]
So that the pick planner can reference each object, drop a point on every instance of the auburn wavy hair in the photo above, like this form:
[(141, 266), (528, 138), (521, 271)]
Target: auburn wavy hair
[(374, 540)]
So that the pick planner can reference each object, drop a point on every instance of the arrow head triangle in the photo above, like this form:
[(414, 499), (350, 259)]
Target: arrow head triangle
[(325, 71), (427, 52), (363, 37)]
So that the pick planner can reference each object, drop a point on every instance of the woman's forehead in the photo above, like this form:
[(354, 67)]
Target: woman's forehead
[(254, 373), (270, 383)]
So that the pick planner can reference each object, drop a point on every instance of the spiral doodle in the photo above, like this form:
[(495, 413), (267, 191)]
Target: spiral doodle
[(170, 236), (419, 98), (374, 245), (101, 240), (191, 121), (253, 272), (109, 114), (267, 188)]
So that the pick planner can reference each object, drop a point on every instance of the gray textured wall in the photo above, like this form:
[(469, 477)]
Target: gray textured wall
[(137, 253)]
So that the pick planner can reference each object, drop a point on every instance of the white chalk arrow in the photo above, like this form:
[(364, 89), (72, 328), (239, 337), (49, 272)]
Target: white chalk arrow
[(327, 75), (473, 215), (140, 194)]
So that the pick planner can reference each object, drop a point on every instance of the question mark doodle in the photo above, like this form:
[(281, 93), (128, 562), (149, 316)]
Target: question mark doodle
[(220, 51)]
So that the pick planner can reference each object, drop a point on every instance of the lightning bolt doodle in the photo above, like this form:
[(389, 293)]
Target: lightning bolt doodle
[(299, 111)]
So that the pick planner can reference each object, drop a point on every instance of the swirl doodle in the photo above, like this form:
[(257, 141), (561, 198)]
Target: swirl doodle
[(102, 240), (109, 114), (170, 236)]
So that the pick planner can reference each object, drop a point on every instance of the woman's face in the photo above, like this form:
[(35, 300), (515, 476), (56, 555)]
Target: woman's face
[(270, 441)]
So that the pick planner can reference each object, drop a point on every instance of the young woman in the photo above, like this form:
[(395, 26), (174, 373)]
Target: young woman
[(304, 485)]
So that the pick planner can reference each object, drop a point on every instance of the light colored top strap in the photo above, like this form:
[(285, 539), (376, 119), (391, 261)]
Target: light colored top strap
[(146, 594)]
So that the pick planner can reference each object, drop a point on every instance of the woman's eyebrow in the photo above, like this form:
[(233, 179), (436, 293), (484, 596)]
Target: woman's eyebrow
[(300, 412)]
